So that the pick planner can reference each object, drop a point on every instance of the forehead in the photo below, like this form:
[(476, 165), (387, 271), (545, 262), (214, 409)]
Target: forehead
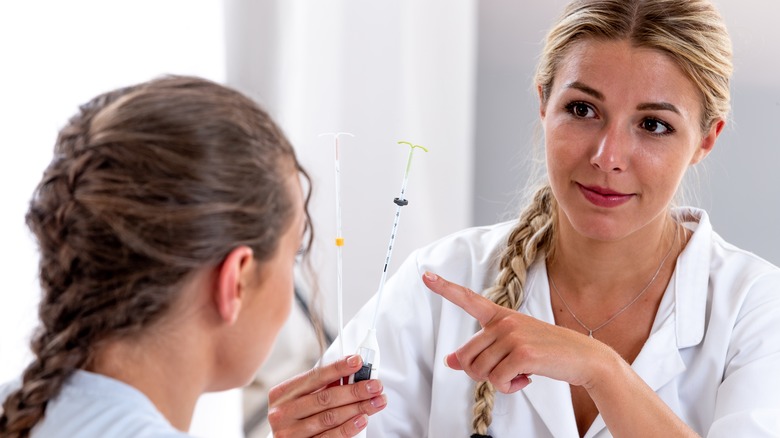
[(622, 72)]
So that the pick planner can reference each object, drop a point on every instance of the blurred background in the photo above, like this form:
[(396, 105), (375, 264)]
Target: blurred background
[(452, 75)]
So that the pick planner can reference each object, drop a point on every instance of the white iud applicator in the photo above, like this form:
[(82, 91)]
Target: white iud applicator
[(369, 348), (339, 239)]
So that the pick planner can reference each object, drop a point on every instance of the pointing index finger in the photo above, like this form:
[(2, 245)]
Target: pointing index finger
[(481, 308)]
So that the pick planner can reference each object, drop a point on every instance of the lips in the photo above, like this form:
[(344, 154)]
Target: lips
[(604, 197)]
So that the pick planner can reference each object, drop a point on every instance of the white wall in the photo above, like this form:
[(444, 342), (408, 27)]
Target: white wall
[(56, 55), (385, 71), (738, 182)]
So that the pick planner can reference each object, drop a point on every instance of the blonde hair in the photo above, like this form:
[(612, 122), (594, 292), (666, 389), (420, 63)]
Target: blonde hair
[(691, 32)]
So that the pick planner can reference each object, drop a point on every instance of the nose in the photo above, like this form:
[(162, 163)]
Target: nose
[(613, 151)]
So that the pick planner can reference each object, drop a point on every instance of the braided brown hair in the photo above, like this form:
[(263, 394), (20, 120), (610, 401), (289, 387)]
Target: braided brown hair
[(147, 184), (691, 32)]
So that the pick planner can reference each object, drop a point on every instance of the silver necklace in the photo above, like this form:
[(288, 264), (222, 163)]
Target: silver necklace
[(642, 292)]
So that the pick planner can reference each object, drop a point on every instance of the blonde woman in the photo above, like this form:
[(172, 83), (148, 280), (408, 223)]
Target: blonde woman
[(603, 310)]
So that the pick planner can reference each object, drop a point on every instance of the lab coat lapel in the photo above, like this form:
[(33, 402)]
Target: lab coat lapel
[(550, 398), (658, 363)]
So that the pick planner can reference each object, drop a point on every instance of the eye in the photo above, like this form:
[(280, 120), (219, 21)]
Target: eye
[(581, 110), (303, 250), (656, 127)]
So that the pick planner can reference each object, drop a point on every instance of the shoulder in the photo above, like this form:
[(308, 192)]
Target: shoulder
[(7, 388), (91, 405), (722, 258), (732, 265), (467, 247), (468, 257), (735, 277), (745, 284)]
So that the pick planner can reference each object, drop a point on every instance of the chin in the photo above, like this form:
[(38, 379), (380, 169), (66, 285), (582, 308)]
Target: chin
[(597, 226), (605, 230)]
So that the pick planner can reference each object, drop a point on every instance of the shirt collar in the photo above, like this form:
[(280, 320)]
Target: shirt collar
[(691, 277)]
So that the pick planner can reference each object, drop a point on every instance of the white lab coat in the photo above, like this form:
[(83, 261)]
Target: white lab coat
[(713, 354)]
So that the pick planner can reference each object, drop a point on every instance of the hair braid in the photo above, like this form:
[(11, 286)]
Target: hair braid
[(532, 236), (56, 358), (68, 308), (59, 344)]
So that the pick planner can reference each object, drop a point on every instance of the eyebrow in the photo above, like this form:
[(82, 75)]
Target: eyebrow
[(585, 89), (658, 106), (641, 107)]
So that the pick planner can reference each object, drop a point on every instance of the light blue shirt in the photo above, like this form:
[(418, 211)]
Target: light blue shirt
[(92, 405)]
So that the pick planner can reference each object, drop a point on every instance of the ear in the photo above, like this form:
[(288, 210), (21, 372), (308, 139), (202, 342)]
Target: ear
[(542, 104), (232, 278), (708, 141)]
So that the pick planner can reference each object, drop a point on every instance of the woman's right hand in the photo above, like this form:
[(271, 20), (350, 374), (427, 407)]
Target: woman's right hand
[(512, 346), (315, 404)]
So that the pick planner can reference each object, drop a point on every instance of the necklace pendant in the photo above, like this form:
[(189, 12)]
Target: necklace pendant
[(590, 333)]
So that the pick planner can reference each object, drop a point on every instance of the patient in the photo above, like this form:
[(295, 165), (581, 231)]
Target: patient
[(169, 222)]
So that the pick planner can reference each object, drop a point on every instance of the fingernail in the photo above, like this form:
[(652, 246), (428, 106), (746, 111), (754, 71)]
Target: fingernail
[(353, 360), (374, 386), (431, 276), (378, 402), (361, 421), (445, 362)]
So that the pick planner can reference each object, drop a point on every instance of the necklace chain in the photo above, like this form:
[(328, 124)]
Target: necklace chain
[(623, 309)]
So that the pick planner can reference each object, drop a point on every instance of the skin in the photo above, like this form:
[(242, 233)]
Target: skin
[(220, 331), (622, 125), (314, 404)]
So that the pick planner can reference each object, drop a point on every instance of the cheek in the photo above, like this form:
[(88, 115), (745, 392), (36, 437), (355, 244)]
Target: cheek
[(288, 302), (285, 296), (564, 151), (274, 318), (663, 171), (565, 136)]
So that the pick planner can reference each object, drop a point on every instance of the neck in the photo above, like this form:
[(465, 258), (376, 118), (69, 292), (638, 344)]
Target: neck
[(611, 270), (162, 367)]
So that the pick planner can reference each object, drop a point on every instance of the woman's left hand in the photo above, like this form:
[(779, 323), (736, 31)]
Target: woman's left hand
[(316, 404), (512, 346)]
